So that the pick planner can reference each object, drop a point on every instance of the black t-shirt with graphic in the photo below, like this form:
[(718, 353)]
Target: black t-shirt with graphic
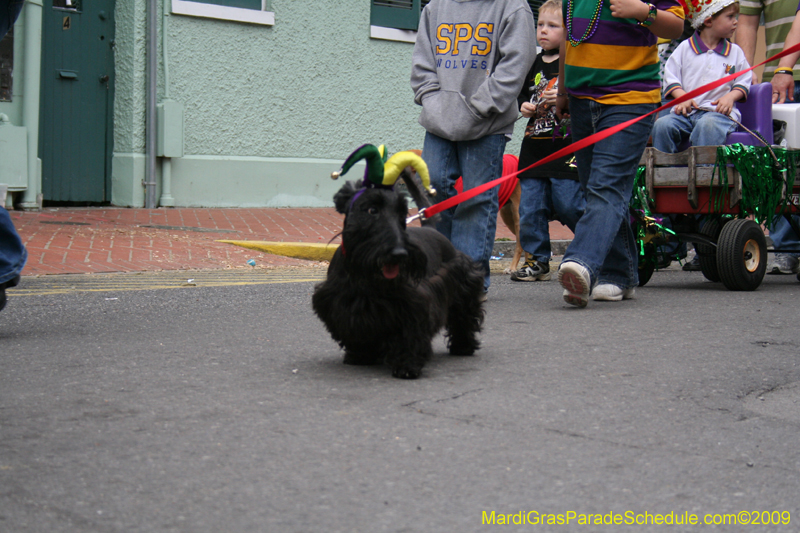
[(542, 134)]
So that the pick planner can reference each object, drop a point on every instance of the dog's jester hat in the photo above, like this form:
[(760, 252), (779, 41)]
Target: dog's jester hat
[(381, 172)]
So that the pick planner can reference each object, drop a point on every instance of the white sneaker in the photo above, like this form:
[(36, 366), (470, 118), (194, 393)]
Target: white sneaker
[(608, 292), (576, 282)]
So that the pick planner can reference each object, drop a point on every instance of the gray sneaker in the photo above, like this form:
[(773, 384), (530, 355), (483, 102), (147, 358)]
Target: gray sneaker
[(532, 270), (784, 264)]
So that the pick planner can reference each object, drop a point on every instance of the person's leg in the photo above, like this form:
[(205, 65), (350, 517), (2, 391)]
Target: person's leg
[(784, 238), (12, 252), (534, 229), (534, 215), (670, 131), (710, 128), (568, 201), (12, 255), (474, 222), (604, 243), (441, 157)]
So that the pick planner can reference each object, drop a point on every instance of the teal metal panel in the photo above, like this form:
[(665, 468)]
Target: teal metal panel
[(401, 14), (246, 4), (77, 98)]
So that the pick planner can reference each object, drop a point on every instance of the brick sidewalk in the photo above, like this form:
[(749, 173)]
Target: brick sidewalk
[(109, 239)]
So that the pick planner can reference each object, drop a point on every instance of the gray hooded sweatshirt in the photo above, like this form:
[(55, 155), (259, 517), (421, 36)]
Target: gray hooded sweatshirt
[(470, 61)]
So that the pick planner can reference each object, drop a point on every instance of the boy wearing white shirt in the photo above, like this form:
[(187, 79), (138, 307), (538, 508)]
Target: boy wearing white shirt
[(705, 57)]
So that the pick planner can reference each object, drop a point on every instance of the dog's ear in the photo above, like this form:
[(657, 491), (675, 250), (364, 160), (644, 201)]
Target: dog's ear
[(342, 198)]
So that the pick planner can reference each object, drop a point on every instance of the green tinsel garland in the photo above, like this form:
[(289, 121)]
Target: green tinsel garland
[(763, 192)]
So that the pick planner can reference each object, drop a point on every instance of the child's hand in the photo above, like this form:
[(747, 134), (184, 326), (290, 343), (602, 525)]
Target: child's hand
[(549, 96), (684, 108), (725, 104), (527, 109), (629, 9)]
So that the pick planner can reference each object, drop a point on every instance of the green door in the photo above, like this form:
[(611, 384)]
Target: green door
[(76, 130)]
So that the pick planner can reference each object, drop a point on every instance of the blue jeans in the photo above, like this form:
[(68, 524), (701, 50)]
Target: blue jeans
[(12, 252), (543, 200), (604, 242), (470, 225), (702, 128), (783, 236)]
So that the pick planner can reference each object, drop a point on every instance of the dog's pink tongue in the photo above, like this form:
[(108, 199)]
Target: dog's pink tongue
[(391, 271)]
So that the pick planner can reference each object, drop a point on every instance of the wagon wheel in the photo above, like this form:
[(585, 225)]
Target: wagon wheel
[(712, 228), (647, 264), (742, 255)]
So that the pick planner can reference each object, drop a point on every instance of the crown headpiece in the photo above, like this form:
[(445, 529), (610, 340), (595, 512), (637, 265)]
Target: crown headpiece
[(699, 10)]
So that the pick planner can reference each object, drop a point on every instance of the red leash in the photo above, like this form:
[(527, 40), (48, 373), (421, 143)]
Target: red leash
[(588, 141)]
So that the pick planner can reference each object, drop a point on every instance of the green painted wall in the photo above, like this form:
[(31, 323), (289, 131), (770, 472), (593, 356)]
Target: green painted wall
[(269, 112)]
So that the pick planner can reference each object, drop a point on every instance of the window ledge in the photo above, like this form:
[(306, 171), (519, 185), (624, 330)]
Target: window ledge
[(392, 34), (196, 9)]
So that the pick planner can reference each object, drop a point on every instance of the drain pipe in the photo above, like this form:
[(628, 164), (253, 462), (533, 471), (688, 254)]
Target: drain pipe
[(31, 97), (152, 73), (166, 199)]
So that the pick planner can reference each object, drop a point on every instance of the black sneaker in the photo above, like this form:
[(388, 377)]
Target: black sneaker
[(10, 283), (663, 261), (532, 270)]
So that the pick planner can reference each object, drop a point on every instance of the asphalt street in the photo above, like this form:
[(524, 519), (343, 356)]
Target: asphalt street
[(218, 403)]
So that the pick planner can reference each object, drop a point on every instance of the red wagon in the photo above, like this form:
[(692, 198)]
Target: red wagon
[(729, 186)]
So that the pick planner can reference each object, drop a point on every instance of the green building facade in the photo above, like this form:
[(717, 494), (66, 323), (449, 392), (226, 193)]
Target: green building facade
[(253, 102)]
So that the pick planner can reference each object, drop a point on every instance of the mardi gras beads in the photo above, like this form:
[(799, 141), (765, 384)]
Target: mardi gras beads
[(590, 29)]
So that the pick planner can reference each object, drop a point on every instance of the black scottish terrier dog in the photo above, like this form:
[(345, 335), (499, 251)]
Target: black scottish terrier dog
[(391, 289)]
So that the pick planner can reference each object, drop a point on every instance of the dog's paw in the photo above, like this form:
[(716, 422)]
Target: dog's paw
[(406, 373), (462, 350)]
